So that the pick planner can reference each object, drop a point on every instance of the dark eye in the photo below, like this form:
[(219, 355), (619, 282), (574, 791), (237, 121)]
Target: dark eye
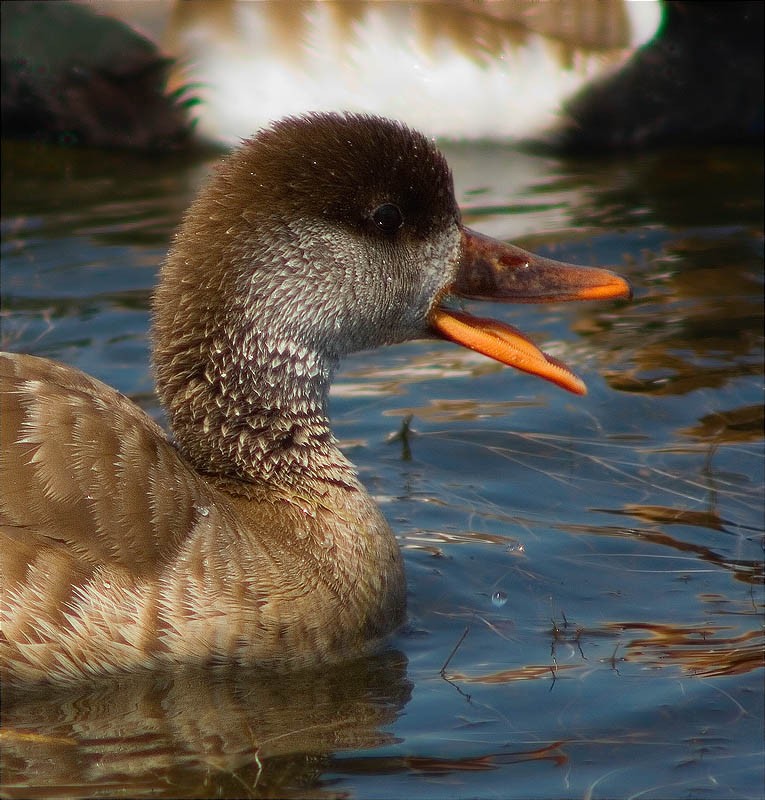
[(388, 218)]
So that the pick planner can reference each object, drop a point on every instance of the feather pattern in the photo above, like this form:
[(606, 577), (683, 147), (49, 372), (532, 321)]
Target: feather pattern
[(117, 555)]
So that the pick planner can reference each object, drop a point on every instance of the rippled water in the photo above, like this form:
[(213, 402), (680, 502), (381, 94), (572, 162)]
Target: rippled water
[(585, 575)]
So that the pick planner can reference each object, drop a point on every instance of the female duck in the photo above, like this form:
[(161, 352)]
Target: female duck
[(249, 539)]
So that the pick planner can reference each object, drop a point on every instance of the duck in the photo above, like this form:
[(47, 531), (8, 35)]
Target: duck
[(671, 92), (459, 70), (578, 76), (246, 538), (74, 77)]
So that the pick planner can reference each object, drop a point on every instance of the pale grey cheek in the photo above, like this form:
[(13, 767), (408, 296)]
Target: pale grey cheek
[(439, 259), (349, 295), (406, 284)]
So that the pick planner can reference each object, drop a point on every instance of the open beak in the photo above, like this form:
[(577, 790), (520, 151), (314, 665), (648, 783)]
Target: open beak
[(493, 270)]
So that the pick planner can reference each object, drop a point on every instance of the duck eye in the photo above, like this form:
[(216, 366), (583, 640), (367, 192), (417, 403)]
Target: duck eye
[(388, 217)]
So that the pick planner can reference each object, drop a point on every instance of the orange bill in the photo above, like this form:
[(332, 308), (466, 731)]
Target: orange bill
[(493, 270)]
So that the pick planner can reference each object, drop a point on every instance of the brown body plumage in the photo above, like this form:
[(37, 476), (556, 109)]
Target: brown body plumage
[(249, 539)]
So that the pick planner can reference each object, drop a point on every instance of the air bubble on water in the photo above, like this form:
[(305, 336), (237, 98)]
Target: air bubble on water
[(499, 598)]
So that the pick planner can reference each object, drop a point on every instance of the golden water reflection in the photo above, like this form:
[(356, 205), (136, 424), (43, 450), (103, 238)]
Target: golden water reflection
[(703, 651), (189, 734)]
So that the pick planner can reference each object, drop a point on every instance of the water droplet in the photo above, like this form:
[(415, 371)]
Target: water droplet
[(203, 511), (499, 598)]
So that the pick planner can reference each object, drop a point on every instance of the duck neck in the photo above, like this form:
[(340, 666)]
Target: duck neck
[(257, 413)]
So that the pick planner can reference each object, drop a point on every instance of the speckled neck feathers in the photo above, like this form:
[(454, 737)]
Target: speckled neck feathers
[(256, 413)]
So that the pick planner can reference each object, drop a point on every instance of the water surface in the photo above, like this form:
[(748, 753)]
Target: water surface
[(585, 574)]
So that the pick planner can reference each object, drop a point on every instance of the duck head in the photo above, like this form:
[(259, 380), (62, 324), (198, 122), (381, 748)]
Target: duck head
[(324, 235)]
